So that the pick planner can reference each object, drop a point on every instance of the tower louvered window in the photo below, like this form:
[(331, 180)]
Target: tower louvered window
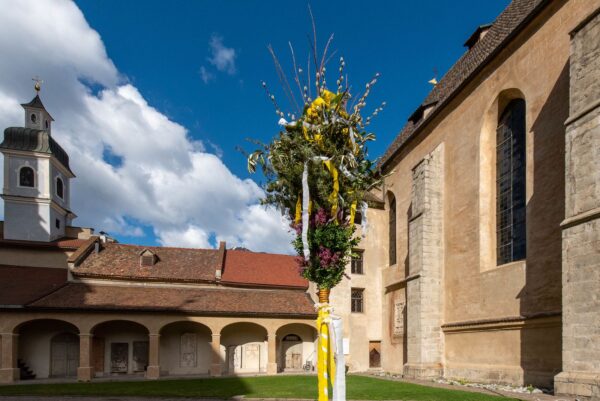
[(26, 177), (510, 184)]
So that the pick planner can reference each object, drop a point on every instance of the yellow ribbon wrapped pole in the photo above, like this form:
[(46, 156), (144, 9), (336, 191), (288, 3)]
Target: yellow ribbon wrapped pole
[(325, 355)]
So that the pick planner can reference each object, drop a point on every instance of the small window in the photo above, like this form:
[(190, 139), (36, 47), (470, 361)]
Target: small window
[(392, 229), (47, 124), (148, 258), (356, 264), (60, 188), (33, 118), (357, 300), (26, 177), (57, 223)]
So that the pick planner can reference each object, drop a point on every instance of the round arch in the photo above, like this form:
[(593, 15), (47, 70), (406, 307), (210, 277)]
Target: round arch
[(119, 346), (47, 348), (296, 346), (185, 348), (244, 347)]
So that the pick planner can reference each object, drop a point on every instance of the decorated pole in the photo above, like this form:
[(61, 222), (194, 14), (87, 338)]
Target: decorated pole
[(317, 173)]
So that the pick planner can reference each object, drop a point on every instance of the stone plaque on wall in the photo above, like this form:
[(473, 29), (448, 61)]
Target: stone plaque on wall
[(188, 350), (140, 356), (251, 359), (399, 318), (119, 356)]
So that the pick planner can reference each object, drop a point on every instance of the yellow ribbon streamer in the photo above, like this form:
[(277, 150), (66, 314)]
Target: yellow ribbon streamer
[(352, 213), (298, 209), (325, 355), (333, 197)]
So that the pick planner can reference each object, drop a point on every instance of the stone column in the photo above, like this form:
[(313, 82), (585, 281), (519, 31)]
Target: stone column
[(9, 372), (426, 259), (153, 370), (217, 364), (85, 371), (581, 228), (272, 354)]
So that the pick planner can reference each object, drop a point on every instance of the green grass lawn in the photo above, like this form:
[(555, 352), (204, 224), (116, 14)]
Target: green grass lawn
[(358, 388)]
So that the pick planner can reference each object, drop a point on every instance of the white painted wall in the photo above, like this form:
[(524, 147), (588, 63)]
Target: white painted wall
[(119, 332), (242, 334)]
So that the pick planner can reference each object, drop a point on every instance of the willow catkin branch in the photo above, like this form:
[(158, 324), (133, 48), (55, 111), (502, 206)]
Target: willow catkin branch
[(283, 79)]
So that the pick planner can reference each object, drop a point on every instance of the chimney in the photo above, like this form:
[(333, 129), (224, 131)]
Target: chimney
[(221, 264)]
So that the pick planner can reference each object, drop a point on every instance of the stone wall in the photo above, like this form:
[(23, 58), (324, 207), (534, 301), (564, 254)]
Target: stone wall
[(426, 259), (581, 228)]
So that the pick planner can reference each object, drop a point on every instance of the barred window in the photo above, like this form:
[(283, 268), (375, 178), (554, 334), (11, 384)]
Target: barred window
[(392, 229), (357, 300), (356, 264), (510, 184)]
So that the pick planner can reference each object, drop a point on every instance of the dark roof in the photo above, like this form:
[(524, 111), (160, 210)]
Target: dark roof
[(120, 261), (261, 269), (36, 103), (34, 140), (20, 285), (202, 300), (63, 243), (510, 22)]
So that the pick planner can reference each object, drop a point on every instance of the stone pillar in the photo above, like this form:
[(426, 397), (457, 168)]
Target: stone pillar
[(9, 372), (426, 259), (153, 370), (216, 365), (581, 228), (85, 372), (272, 354)]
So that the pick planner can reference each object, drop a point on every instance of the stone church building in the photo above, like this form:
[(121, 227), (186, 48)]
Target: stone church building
[(481, 260)]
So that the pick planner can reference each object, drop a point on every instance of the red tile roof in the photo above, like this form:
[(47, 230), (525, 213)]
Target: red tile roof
[(200, 300), (120, 261), (20, 285), (261, 269), (510, 22)]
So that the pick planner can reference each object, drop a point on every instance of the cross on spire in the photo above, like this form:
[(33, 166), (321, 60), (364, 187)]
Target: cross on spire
[(38, 83)]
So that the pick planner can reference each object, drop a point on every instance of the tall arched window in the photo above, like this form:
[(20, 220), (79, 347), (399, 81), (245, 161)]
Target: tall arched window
[(392, 228), (60, 188), (26, 177), (510, 184)]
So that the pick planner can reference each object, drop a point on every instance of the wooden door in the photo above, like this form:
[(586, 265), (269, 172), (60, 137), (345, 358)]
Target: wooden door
[(64, 355), (140, 355), (375, 354)]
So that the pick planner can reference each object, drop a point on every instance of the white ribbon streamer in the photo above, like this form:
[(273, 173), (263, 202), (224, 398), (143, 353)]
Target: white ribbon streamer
[(305, 200), (339, 385), (364, 223)]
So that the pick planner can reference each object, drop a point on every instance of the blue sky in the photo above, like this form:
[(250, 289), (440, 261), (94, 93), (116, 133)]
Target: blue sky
[(161, 48), (151, 99)]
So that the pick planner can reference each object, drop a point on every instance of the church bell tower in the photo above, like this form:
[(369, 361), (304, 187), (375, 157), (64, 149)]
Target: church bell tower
[(36, 178)]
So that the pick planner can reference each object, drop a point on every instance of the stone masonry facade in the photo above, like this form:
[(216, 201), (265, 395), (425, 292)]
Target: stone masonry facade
[(426, 259), (581, 228)]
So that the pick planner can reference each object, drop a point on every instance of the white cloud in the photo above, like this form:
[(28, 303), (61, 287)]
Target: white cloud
[(222, 57), (206, 75), (192, 237), (165, 179)]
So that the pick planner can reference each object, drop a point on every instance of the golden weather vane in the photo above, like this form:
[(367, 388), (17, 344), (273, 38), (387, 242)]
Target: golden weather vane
[(38, 83)]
